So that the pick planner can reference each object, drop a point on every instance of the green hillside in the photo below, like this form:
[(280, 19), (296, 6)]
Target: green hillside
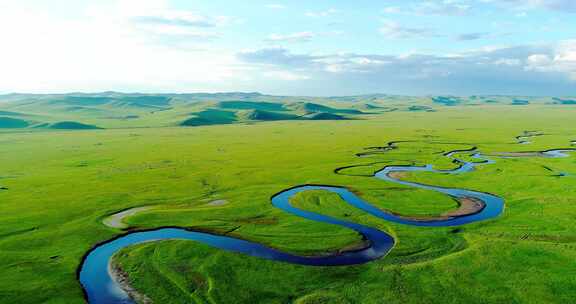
[(12, 123), (112, 110)]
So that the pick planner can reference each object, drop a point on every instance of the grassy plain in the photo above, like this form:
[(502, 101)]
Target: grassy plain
[(60, 185)]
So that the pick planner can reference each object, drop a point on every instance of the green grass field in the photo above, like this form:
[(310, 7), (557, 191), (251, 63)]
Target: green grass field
[(58, 185)]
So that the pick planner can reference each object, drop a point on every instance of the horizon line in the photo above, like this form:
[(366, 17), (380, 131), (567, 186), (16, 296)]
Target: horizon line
[(275, 95)]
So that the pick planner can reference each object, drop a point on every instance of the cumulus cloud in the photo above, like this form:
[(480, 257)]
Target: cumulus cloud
[(276, 56), (394, 30), (507, 70), (563, 60)]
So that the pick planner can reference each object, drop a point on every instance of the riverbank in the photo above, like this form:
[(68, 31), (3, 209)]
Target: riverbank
[(121, 278), (116, 220)]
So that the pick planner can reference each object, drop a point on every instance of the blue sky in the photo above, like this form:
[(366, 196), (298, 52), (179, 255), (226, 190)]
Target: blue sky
[(321, 47)]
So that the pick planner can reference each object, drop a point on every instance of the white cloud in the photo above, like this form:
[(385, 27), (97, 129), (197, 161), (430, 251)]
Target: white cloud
[(147, 45), (182, 19), (445, 7), (538, 60), (508, 61), (155, 19), (326, 13), (276, 6), (565, 6), (536, 69), (293, 37), (471, 36), (394, 30), (563, 60), (430, 7), (392, 10), (105, 49), (285, 75)]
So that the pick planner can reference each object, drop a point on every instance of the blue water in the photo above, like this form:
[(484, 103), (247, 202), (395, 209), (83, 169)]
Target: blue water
[(100, 287), (558, 153)]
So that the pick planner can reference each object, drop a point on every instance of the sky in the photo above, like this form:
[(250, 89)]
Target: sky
[(296, 47)]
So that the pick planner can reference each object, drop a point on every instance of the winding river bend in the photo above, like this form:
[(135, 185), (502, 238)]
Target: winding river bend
[(100, 287)]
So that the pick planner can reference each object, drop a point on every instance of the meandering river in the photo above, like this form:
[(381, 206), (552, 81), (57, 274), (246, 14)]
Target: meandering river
[(100, 286)]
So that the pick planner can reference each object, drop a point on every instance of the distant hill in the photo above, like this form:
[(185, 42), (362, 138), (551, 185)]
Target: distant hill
[(308, 107), (209, 117), (12, 123), (420, 109), (71, 125), (9, 113), (324, 116), (447, 100), (81, 111), (565, 101), (237, 112), (520, 102), (366, 107), (251, 105), (262, 115)]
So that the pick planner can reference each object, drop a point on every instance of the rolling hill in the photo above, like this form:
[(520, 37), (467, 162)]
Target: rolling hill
[(80, 111)]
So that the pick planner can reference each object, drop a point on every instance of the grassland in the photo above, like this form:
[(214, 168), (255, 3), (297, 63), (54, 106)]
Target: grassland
[(59, 185)]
